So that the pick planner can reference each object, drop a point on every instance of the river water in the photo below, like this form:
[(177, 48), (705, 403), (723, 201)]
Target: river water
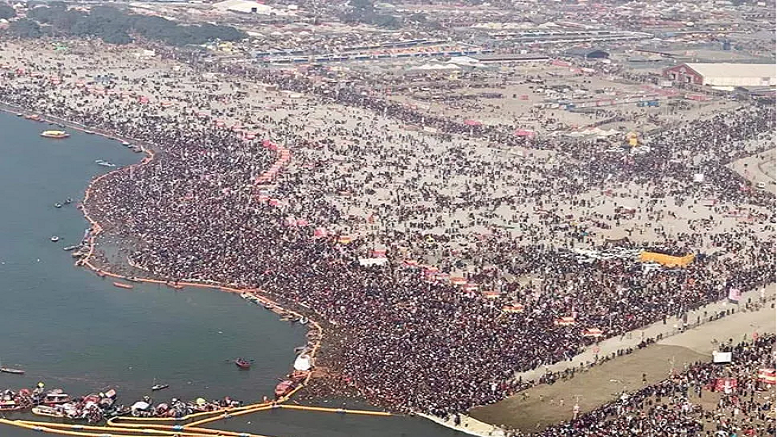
[(71, 329)]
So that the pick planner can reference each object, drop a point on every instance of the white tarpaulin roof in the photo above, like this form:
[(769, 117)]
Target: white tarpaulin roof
[(302, 363), (140, 405), (436, 67), (366, 262)]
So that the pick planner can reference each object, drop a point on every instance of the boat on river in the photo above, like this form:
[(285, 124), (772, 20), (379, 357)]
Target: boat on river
[(11, 370), (47, 411), (54, 238), (123, 285), (243, 364), (54, 134), (157, 387), (284, 388), (9, 405), (55, 397)]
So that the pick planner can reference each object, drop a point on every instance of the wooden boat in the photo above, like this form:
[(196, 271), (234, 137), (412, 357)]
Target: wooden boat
[(9, 405), (284, 388), (47, 411), (298, 376), (11, 371), (123, 285), (243, 364), (55, 397)]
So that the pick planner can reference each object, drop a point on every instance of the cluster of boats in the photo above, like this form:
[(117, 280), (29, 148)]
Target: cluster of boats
[(57, 404), (285, 315), (176, 407), (96, 407), (303, 365), (133, 147), (67, 201)]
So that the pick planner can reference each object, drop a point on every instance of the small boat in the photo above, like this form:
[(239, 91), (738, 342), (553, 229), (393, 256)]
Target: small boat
[(9, 405), (119, 411), (123, 285), (90, 132), (57, 205), (47, 411), (303, 320), (126, 144), (54, 238), (55, 134), (12, 371), (106, 164), (68, 201), (283, 388), (175, 285), (55, 397), (69, 248), (157, 387), (243, 364)]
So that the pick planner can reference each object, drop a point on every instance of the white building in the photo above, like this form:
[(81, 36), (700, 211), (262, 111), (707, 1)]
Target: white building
[(724, 74)]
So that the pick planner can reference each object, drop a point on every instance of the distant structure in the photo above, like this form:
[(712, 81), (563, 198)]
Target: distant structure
[(723, 74), (587, 53)]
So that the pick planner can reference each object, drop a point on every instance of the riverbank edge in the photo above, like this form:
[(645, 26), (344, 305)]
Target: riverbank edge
[(470, 426), (96, 230)]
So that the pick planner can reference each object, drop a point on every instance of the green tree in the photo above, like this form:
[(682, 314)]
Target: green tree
[(25, 28), (6, 11)]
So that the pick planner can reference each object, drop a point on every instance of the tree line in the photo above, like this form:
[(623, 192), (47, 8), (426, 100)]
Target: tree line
[(114, 26)]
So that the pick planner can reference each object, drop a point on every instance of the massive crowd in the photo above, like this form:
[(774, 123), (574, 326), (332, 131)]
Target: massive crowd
[(693, 402), (407, 339)]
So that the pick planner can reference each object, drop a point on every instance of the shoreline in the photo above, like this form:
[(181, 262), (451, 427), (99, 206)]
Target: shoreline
[(469, 425), (96, 229), (191, 283)]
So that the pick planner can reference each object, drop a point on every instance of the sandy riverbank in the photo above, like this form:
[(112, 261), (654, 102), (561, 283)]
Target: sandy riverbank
[(547, 404)]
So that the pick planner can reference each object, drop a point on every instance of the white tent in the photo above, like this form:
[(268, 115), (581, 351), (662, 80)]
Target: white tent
[(464, 60), (303, 363), (140, 405)]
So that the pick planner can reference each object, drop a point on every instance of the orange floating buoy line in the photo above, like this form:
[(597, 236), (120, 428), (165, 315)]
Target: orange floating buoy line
[(123, 285)]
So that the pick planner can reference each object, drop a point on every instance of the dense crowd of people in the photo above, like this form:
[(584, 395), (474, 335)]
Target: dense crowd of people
[(674, 407), (405, 337)]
